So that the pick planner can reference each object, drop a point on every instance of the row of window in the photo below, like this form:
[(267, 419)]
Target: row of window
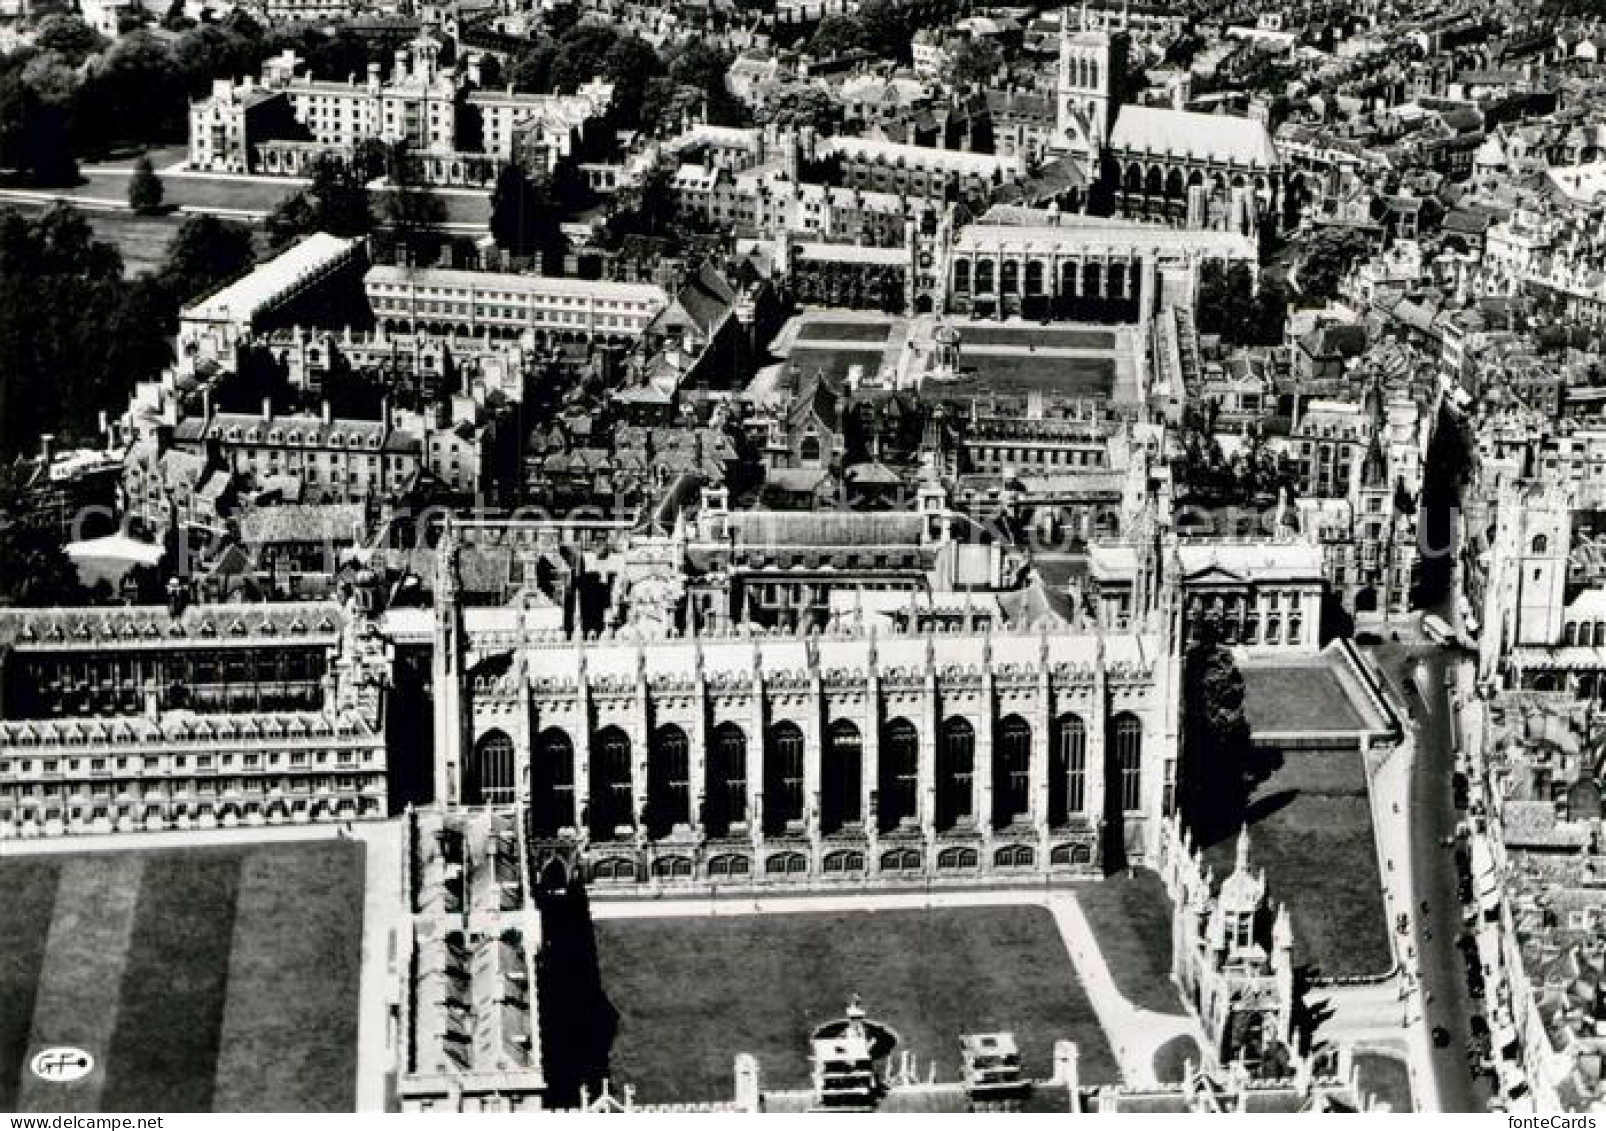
[(148, 763), (894, 799), (198, 810), (1110, 280), (842, 862), (323, 784)]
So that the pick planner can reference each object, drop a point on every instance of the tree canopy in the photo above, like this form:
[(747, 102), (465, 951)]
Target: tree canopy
[(75, 336), (1220, 766), (145, 191)]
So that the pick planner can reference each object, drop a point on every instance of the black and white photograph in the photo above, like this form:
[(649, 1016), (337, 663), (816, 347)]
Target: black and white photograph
[(681, 557)]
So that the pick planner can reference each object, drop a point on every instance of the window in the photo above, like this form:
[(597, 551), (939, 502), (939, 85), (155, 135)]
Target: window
[(783, 776), (1012, 759), (840, 789), (721, 867), (1067, 783), (1127, 734), (612, 798), (552, 783), (725, 792), (900, 772), (668, 781), (956, 766), (786, 864), (844, 861)]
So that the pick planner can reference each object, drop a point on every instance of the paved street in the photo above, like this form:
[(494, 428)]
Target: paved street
[(1433, 817)]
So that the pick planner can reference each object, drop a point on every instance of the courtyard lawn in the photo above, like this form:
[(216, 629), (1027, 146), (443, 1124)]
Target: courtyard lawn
[(27, 886), (1131, 918), (693, 992), (982, 373), (1385, 1078), (227, 193), (1045, 336), (1297, 697), (823, 330), (1311, 830), (834, 362), (200, 979)]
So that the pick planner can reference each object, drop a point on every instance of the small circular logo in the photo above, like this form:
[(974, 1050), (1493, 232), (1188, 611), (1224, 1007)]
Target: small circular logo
[(62, 1065)]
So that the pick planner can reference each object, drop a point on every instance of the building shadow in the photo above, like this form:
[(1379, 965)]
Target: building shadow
[(578, 1021)]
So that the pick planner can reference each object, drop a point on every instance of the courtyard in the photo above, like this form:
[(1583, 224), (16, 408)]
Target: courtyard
[(1045, 337), (834, 330), (1297, 698), (690, 992), (833, 361), (1016, 374), (1310, 828), (207, 979)]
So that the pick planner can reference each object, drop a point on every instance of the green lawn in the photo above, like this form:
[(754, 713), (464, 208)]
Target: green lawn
[(27, 891), (202, 979), (1131, 918), (834, 362), (1047, 337), (1297, 697), (1386, 1078), (1171, 1059), (691, 992), (981, 373), (824, 330), (1311, 830)]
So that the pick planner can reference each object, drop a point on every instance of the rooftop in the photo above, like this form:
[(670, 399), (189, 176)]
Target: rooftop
[(1216, 138)]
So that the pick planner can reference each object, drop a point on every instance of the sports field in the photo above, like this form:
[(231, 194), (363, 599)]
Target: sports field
[(209, 979)]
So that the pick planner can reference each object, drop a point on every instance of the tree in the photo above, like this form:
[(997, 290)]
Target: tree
[(703, 66), (974, 62), (75, 335), (336, 202), (1329, 255), (411, 211), (34, 569), (804, 105), (292, 218), (33, 136), (145, 192), (836, 35), (630, 64), (204, 252), (69, 37), (523, 218), (1220, 765)]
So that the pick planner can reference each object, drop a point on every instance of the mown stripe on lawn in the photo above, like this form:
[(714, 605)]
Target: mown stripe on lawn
[(298, 923), (27, 896), (163, 1054), (85, 954)]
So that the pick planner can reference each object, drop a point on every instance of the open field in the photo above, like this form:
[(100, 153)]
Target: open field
[(215, 979), (692, 992), (1311, 830)]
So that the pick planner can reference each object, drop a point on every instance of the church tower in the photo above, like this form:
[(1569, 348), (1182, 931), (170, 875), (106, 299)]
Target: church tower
[(1086, 88)]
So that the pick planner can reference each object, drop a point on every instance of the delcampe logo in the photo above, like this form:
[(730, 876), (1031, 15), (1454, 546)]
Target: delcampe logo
[(62, 1065)]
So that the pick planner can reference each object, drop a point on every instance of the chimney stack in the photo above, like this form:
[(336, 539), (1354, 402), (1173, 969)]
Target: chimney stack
[(47, 449), (267, 409)]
